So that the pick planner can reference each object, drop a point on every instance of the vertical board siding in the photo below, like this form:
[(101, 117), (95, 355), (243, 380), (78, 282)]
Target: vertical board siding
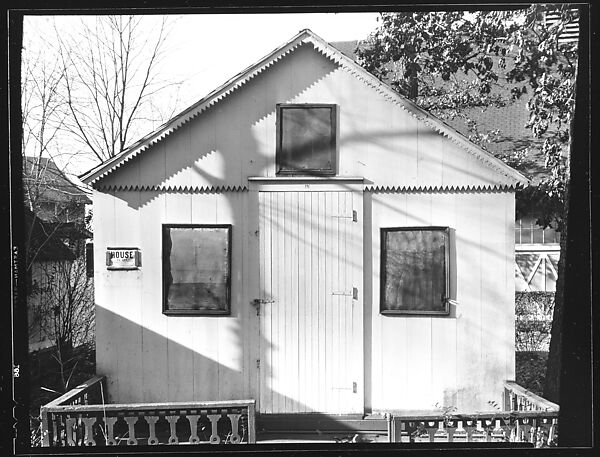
[(509, 293), (469, 297), (457, 360), (205, 330), (146, 355), (180, 347), (444, 350), (306, 242), (230, 357), (104, 235), (126, 286), (493, 306), (155, 362), (418, 331)]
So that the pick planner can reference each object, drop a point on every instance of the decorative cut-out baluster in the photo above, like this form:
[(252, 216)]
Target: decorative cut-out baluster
[(70, 430), (172, 424), (441, 434), (131, 420), (214, 437), (88, 439), (152, 420), (55, 438), (110, 430), (235, 436), (552, 431), (193, 419), (460, 434), (479, 434), (498, 433)]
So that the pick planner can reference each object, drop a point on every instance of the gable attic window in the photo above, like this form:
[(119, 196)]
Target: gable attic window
[(196, 269), (306, 139), (415, 270)]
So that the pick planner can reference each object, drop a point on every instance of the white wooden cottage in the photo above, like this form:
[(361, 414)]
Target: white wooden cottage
[(306, 237)]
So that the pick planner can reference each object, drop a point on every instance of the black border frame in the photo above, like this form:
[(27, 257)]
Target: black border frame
[(382, 280), (332, 143), (196, 312)]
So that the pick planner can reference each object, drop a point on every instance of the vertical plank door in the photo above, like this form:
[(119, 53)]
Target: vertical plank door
[(310, 324)]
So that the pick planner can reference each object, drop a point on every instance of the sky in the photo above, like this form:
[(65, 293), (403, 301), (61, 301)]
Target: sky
[(205, 50), (210, 49)]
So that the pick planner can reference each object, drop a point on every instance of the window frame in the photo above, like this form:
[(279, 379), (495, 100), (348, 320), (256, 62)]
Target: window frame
[(196, 312), (279, 139), (445, 311)]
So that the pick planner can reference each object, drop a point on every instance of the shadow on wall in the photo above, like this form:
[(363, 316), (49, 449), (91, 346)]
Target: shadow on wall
[(143, 366), (223, 148)]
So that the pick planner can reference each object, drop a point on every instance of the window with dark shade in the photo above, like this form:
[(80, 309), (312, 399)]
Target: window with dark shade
[(196, 269), (414, 270), (306, 139), (89, 260)]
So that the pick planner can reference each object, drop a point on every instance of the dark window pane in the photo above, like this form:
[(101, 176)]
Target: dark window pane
[(537, 234), (415, 270), (526, 234), (307, 139), (197, 268), (89, 260), (550, 235)]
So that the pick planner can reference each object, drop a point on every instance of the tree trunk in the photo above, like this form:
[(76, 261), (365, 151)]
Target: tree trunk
[(553, 367)]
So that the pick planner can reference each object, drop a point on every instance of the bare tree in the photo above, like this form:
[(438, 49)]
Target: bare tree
[(111, 76), (65, 311)]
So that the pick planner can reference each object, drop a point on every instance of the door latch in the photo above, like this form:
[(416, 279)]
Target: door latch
[(260, 301)]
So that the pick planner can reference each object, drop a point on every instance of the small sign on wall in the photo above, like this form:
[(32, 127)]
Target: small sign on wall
[(122, 258)]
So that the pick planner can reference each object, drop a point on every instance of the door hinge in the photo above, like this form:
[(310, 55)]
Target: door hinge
[(354, 216), (353, 293), (257, 363), (354, 387)]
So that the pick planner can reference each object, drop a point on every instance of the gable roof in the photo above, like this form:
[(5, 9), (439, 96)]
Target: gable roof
[(329, 51), (52, 184)]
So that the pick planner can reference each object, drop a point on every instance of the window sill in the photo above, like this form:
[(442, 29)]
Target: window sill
[(193, 312)]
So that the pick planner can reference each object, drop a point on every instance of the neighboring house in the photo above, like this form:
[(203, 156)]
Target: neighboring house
[(307, 237), (55, 237)]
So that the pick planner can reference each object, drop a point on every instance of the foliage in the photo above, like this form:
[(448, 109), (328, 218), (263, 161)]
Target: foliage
[(531, 370), (452, 62), (46, 380), (533, 312)]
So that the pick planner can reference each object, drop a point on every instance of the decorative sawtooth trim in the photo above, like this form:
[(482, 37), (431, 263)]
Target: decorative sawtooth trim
[(412, 109), (194, 111), (345, 63), (182, 189), (453, 188)]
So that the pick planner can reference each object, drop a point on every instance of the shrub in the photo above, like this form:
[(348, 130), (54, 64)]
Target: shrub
[(533, 312)]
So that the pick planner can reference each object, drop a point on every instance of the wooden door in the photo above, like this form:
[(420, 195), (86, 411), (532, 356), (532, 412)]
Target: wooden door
[(310, 320)]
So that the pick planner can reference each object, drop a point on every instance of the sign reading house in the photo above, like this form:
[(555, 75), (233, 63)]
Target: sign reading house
[(122, 258)]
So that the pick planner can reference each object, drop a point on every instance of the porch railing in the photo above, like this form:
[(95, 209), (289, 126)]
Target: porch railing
[(517, 398), (534, 427), (526, 417), (82, 418)]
